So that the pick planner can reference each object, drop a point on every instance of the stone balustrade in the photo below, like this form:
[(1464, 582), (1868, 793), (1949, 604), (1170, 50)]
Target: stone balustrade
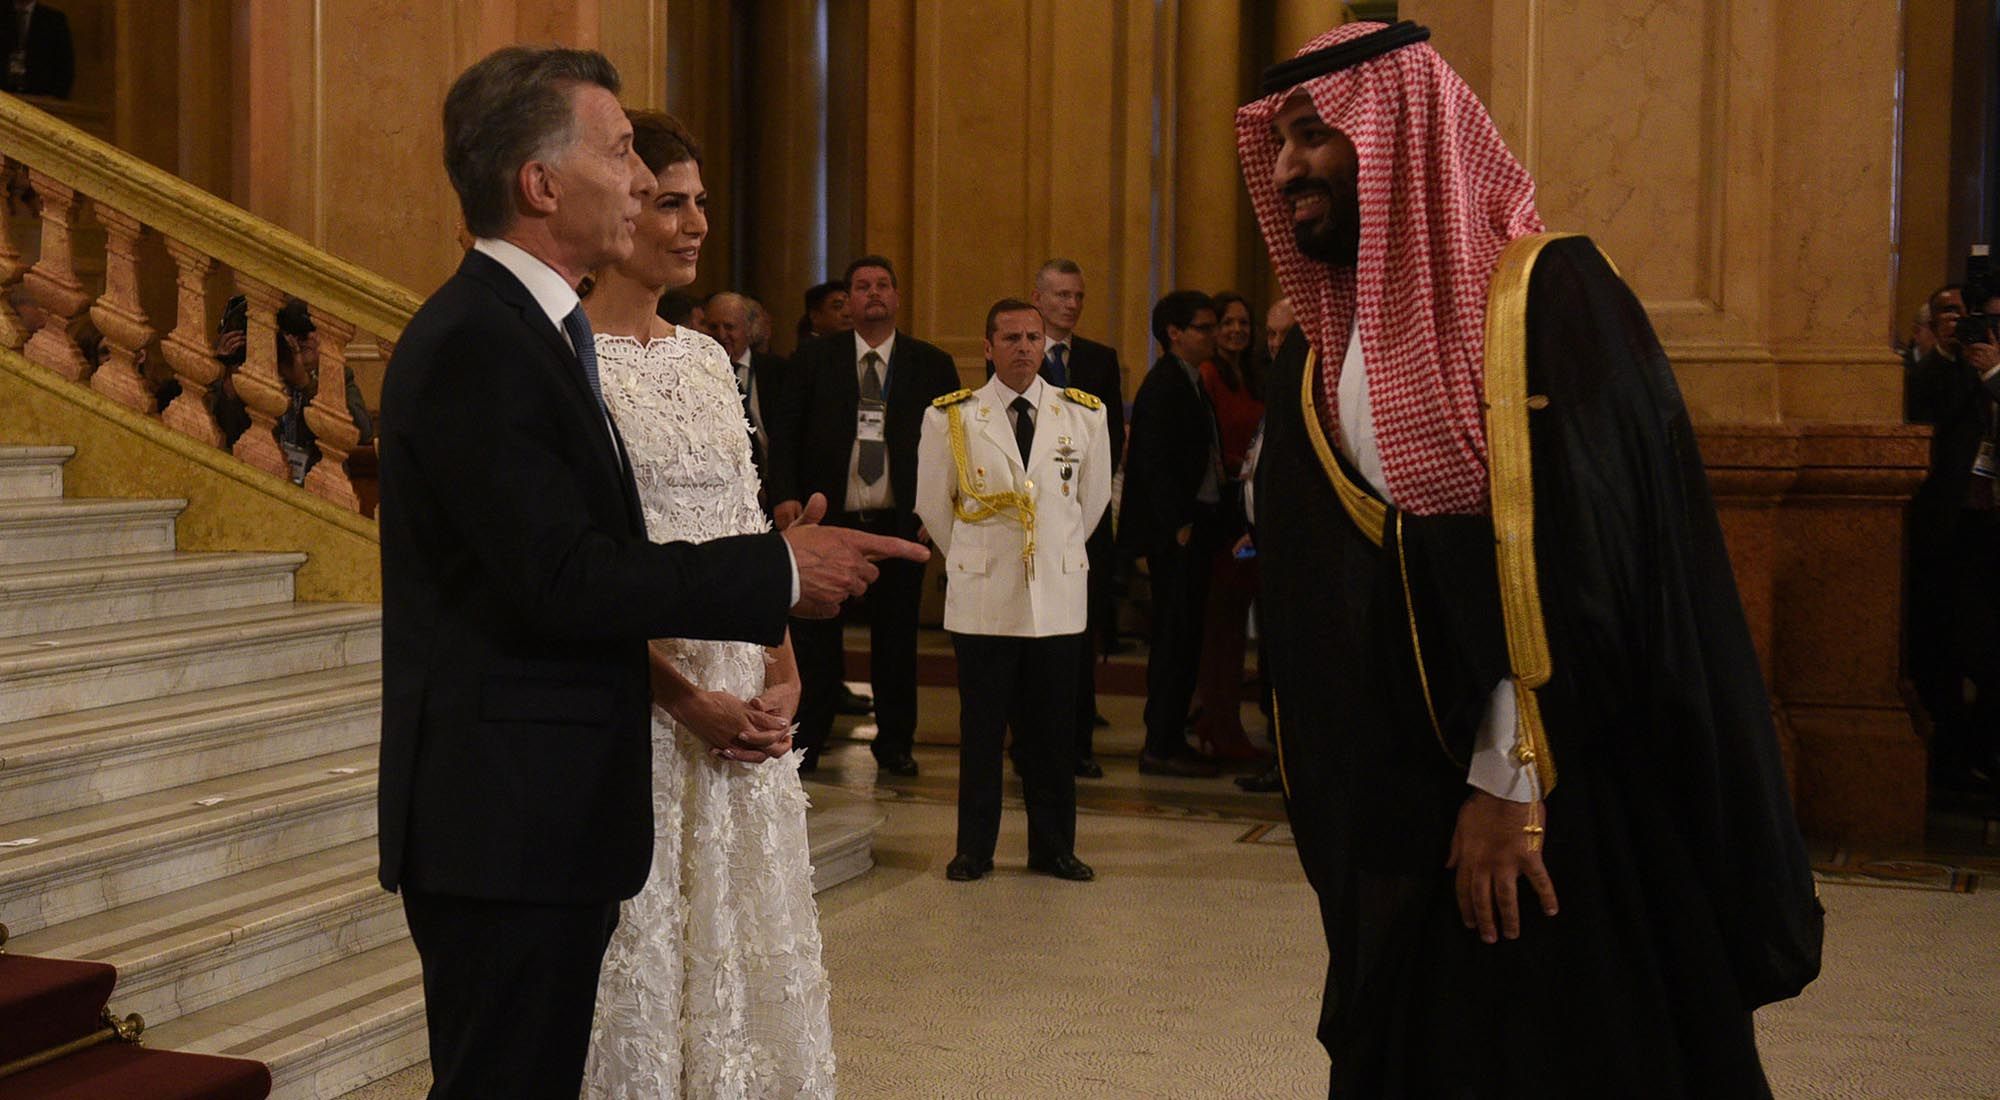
[(67, 190)]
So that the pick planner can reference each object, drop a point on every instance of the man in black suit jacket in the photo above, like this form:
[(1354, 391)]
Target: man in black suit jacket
[(760, 375), (1955, 544), (1072, 360), (1170, 514), (519, 591), (848, 424), (35, 45)]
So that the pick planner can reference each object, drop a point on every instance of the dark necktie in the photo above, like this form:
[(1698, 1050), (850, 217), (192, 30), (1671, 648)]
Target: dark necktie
[(1054, 368), (1024, 426), (874, 452), (578, 327)]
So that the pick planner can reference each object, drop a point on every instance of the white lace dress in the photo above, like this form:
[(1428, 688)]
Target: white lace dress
[(713, 986)]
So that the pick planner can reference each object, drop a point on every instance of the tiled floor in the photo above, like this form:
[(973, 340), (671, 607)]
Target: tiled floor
[(1192, 967)]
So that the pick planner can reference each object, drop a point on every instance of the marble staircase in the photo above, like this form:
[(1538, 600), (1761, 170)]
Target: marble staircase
[(187, 789)]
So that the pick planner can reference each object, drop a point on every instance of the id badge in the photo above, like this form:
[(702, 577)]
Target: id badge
[(871, 422), (1984, 463)]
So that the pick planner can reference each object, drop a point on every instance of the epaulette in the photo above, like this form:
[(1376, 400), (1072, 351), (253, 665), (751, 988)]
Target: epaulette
[(952, 398), (1087, 400)]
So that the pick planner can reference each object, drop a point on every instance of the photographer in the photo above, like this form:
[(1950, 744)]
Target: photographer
[(1955, 540)]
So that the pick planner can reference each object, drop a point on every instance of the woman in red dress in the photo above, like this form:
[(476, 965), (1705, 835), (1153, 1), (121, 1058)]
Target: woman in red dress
[(1231, 381)]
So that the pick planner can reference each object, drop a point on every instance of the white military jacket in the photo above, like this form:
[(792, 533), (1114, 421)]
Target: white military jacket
[(989, 587)]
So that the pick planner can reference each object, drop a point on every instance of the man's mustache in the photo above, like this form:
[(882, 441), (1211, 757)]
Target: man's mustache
[(1305, 185)]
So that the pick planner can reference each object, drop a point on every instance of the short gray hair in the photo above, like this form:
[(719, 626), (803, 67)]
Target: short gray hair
[(510, 108), (1057, 266)]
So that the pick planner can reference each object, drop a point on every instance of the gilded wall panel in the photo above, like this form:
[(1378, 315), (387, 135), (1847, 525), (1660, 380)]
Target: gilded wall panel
[(973, 179)]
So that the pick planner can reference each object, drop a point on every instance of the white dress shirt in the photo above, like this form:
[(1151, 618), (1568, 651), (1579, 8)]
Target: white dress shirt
[(746, 383), (558, 299), (861, 496), (1494, 769)]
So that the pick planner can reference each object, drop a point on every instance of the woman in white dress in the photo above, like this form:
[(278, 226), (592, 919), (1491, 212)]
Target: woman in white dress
[(712, 987)]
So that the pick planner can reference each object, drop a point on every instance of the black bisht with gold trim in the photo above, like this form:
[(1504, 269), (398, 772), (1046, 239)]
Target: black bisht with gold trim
[(1687, 899)]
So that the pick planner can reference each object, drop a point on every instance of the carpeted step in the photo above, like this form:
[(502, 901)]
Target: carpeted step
[(103, 666), (90, 860), (91, 757), (65, 528), (70, 595), (323, 1034), (48, 1002), (192, 949), (32, 473), (124, 1071)]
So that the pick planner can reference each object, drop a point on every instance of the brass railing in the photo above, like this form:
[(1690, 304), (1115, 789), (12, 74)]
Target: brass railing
[(73, 177)]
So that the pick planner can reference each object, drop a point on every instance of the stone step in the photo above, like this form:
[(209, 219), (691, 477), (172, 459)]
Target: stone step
[(32, 473), (36, 597), (92, 757), (124, 662), (325, 1033), (840, 831), (65, 529), (98, 858), (192, 949)]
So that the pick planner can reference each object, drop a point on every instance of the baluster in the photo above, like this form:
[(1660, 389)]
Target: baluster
[(126, 329), (329, 418), (13, 331), (188, 351), (54, 285), (257, 381)]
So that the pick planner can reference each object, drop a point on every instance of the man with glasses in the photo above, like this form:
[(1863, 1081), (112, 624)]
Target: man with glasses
[(1170, 514)]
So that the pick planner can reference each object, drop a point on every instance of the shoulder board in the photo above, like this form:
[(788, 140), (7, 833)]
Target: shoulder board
[(1087, 400), (952, 398)]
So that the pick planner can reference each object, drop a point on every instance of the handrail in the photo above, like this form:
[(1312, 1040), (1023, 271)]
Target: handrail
[(245, 242)]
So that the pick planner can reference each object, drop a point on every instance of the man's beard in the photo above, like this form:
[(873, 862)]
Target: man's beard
[(1334, 238)]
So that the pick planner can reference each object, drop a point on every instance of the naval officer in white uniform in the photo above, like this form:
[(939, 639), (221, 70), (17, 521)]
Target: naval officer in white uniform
[(1011, 480)]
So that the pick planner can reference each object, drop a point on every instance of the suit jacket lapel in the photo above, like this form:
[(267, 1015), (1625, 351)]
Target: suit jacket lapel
[(489, 271), (999, 424)]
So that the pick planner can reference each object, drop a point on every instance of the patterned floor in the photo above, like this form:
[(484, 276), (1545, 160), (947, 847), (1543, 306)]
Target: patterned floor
[(1192, 967)]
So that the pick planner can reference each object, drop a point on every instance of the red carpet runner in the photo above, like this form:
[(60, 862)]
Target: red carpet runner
[(46, 1003)]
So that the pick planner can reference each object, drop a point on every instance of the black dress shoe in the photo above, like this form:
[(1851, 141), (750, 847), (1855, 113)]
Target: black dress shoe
[(1271, 780), (964, 868), (1088, 768), (901, 763), (1100, 721), (1064, 867), (1186, 762), (852, 704)]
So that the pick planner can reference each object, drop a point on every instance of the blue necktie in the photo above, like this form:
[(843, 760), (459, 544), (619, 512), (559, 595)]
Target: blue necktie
[(578, 327), (1056, 371)]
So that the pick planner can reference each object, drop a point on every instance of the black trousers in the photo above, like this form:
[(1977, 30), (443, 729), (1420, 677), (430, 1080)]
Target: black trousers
[(1955, 634), (1102, 628), (891, 608), (509, 990), (1025, 683), (1180, 597)]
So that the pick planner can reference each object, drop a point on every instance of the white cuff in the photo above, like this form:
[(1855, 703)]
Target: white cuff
[(1495, 769), (792, 560)]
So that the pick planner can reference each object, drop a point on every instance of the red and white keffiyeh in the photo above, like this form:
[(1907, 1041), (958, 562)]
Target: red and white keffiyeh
[(1440, 197)]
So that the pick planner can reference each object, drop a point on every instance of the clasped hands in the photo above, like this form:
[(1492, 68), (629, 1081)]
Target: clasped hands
[(748, 731), (1496, 843), (834, 563)]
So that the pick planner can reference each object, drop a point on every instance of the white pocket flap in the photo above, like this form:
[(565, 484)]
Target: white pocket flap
[(1076, 559), (966, 559)]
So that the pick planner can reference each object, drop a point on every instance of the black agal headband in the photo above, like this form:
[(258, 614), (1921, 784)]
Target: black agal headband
[(1340, 55)]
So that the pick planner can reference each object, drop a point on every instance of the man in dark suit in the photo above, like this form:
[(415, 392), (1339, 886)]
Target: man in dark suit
[(1170, 514), (34, 40), (760, 375), (519, 590), (848, 423), (1072, 360), (1955, 543)]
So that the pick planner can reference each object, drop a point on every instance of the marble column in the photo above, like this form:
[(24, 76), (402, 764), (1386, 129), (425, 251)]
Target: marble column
[(1209, 227)]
